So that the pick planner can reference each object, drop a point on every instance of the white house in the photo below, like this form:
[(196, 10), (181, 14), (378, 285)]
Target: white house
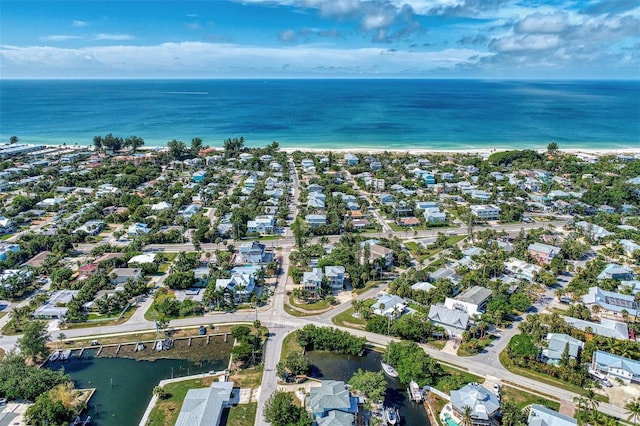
[(312, 281), (616, 367), (138, 229), (389, 305), (472, 301), (261, 225), (486, 212)]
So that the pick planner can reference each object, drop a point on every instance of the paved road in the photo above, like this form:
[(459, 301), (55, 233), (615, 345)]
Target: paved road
[(280, 324)]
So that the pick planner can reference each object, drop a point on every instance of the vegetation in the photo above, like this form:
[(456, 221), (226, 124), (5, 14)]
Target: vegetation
[(18, 380), (55, 407), (313, 338), (412, 363), (280, 410), (33, 343), (248, 348), (369, 383), (295, 364)]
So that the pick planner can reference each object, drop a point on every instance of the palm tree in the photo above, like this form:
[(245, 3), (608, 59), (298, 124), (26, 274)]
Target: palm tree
[(467, 420), (593, 403), (633, 407)]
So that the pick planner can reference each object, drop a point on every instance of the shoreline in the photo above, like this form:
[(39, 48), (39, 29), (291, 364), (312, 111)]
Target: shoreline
[(411, 151)]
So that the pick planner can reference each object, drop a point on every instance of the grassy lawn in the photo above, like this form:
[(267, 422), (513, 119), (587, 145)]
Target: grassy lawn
[(438, 344), (464, 376), (170, 256), (294, 312), (534, 375), (438, 404), (1, 353), (248, 377), (316, 306), (100, 320), (2, 314), (346, 319), (164, 267), (166, 411), (522, 398), (242, 415), (289, 343)]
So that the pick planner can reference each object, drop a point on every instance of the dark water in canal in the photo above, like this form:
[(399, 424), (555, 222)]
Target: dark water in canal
[(328, 365), (124, 386)]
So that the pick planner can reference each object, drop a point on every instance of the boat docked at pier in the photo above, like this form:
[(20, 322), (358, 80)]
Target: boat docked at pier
[(389, 370), (391, 415)]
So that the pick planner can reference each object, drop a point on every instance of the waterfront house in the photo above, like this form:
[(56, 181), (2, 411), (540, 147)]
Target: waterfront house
[(485, 406), (616, 367), (539, 415), (204, 407), (55, 308), (351, 159), (454, 321), (557, 343), (330, 397)]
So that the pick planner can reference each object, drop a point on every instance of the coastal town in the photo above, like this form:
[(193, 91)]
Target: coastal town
[(491, 287)]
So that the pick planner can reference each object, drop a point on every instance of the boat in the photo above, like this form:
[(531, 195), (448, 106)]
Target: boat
[(54, 356), (415, 393), (391, 415), (389, 370), (65, 355)]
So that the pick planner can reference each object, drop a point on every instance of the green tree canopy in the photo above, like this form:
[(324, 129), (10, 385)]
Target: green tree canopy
[(370, 383), (33, 343), (280, 410)]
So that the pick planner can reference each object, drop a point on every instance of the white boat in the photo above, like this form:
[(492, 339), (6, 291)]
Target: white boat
[(65, 355), (391, 416), (54, 356), (389, 370), (414, 392)]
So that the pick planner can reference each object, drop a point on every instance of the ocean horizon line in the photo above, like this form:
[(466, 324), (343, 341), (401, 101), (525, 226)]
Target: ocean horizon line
[(326, 78)]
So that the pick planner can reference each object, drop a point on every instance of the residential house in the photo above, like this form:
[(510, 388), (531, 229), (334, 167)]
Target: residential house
[(138, 229), (312, 281), (425, 205), (308, 165), (486, 212), (611, 301), (543, 253), (539, 415), (261, 225), (239, 287), (351, 159), (445, 274), (408, 221), (253, 252), (423, 286), (316, 200), (204, 407), (389, 306), (188, 211), (122, 275), (316, 220), (434, 215), (162, 205), (331, 397), (630, 247), (429, 179), (250, 184), (55, 307), (7, 226), (557, 343), (521, 269), (616, 272), (616, 367), (593, 231), (88, 269), (141, 259), (454, 321), (335, 276), (91, 227), (386, 199), (606, 327), (485, 406), (376, 251), (50, 202), (607, 209), (472, 301), (480, 195), (199, 176)]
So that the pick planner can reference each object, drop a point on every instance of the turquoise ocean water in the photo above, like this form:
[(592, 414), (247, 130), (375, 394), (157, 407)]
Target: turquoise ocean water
[(388, 114)]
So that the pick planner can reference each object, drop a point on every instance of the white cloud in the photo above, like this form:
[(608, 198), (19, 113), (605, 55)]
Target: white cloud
[(78, 23), (287, 36), (541, 23), (59, 37), (528, 43), (113, 37), (224, 60)]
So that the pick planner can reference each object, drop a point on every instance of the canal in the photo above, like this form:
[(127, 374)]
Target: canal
[(124, 386), (329, 365)]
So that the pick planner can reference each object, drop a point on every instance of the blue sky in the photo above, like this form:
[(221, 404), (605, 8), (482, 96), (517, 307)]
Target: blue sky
[(494, 39)]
